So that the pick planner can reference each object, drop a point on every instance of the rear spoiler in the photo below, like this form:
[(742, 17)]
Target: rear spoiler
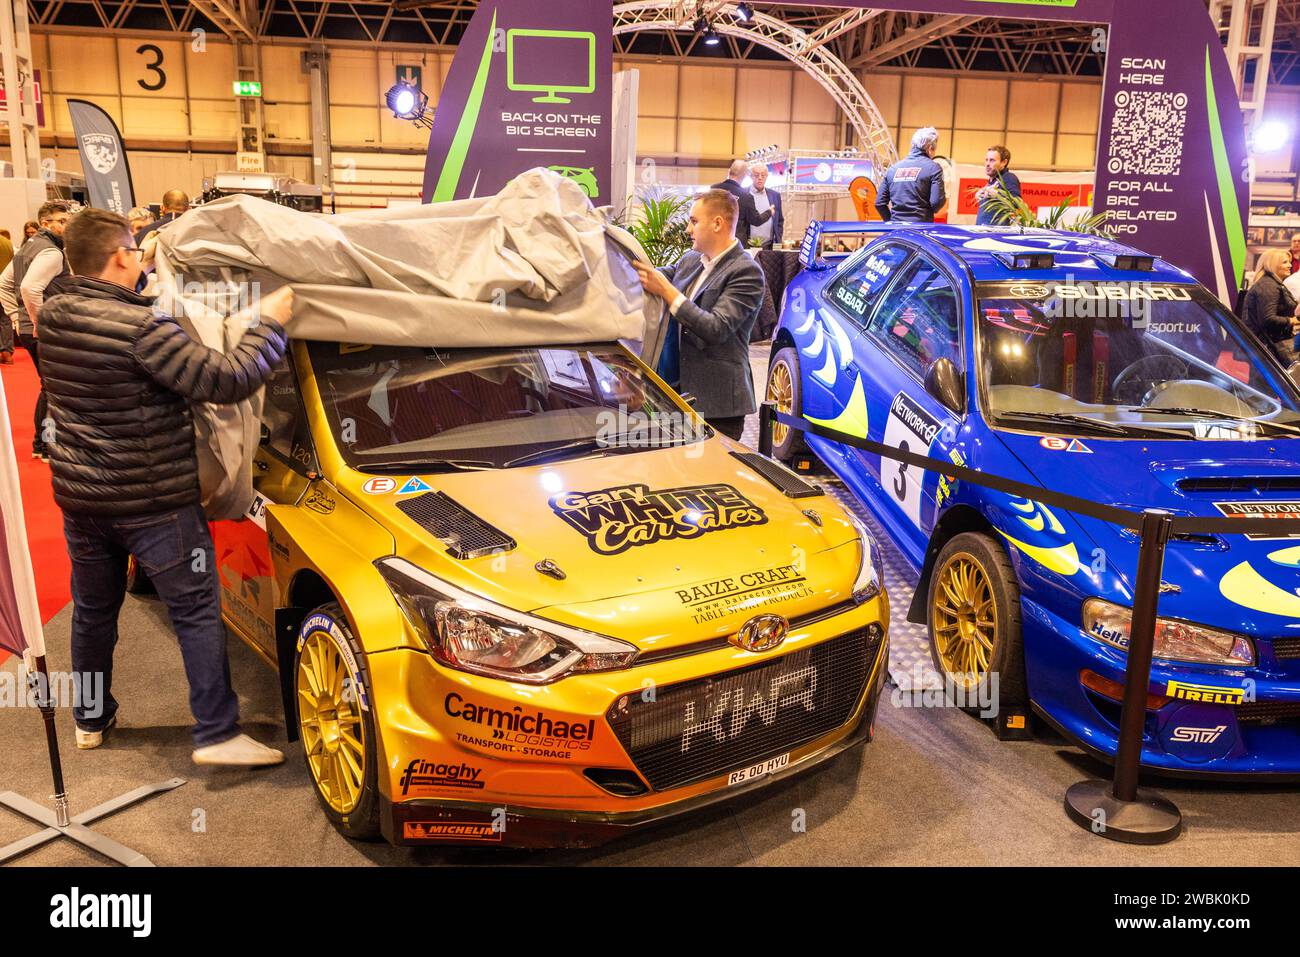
[(810, 252)]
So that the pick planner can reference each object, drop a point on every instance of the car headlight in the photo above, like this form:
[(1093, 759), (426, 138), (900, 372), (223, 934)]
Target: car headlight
[(867, 585), (470, 633), (1176, 640)]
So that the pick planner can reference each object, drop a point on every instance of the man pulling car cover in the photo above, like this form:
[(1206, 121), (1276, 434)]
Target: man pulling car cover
[(120, 379)]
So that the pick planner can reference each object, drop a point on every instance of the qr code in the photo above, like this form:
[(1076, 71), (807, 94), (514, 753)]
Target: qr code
[(1146, 133)]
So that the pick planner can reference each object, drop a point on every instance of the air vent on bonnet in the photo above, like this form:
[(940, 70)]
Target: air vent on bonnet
[(464, 533), (790, 484), (1241, 483)]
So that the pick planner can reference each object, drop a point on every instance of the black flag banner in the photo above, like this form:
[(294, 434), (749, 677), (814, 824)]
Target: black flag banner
[(103, 158)]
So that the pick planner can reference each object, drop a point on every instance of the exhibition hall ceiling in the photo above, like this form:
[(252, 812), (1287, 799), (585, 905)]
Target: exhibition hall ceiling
[(919, 41)]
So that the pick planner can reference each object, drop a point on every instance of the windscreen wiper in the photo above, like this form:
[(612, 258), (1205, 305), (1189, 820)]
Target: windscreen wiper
[(1208, 414), (1098, 425), (425, 466), (1068, 418), (541, 455)]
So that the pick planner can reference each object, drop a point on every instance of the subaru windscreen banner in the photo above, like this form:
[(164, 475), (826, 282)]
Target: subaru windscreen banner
[(1172, 168), (103, 158), (530, 86)]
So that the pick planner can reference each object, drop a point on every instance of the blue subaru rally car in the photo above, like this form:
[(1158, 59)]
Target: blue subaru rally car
[(1076, 364)]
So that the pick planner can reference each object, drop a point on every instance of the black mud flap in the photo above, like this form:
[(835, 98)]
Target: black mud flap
[(287, 623)]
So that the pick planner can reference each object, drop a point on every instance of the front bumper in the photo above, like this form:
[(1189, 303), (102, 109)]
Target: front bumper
[(469, 760), (1216, 722)]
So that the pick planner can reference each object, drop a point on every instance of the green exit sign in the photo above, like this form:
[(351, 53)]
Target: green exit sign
[(247, 88)]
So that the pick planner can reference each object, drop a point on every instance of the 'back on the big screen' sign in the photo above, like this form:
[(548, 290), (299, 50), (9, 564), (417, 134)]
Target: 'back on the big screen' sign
[(530, 86)]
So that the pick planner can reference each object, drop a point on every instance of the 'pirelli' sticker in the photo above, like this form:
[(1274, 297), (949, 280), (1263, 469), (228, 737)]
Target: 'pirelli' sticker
[(1206, 694)]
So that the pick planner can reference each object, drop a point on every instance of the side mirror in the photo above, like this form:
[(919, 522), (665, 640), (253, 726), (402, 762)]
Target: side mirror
[(944, 381)]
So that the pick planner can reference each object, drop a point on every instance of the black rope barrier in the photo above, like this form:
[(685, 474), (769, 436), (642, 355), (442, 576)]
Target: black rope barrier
[(1119, 809)]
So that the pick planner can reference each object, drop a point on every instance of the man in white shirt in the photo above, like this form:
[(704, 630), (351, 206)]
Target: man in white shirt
[(713, 293), (34, 273), (768, 220)]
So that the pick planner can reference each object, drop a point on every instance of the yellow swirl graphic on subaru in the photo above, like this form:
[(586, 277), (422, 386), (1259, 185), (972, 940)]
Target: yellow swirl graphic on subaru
[(1286, 556), (853, 420), (1244, 586), (615, 519), (1044, 542)]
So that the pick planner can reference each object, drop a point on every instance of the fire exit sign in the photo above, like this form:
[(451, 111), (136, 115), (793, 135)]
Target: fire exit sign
[(247, 88)]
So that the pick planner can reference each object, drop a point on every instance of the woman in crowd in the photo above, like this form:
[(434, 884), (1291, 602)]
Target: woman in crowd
[(30, 229), (1270, 309)]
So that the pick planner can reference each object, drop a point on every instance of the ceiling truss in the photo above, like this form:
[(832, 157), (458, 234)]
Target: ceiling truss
[(857, 37)]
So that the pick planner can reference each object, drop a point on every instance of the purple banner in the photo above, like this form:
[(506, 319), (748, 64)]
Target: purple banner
[(1171, 161), (529, 86)]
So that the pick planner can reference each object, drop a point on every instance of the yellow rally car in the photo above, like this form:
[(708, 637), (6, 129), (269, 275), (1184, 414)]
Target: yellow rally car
[(526, 597)]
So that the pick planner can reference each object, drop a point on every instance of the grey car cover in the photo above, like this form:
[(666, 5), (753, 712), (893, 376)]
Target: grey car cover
[(533, 265)]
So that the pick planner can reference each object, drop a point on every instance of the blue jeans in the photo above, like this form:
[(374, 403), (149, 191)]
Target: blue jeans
[(175, 550)]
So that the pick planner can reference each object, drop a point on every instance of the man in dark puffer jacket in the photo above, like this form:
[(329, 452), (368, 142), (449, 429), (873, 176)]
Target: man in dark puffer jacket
[(120, 379)]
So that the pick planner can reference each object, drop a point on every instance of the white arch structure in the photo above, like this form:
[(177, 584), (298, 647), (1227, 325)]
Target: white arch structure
[(813, 57)]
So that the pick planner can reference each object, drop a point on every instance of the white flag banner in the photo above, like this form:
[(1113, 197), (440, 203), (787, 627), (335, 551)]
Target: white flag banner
[(20, 614)]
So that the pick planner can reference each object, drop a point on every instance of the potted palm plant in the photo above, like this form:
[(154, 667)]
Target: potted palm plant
[(1014, 211), (660, 226)]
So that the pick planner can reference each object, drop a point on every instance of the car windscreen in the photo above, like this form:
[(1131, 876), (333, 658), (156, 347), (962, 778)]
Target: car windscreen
[(1162, 359), (410, 409)]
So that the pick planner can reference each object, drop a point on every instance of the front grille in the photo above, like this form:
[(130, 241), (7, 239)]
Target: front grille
[(1285, 649), (698, 729), (1243, 483), (1268, 712), (791, 485), (464, 533)]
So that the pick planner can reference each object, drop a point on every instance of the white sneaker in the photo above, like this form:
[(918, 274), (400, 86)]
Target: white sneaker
[(88, 740), (240, 751)]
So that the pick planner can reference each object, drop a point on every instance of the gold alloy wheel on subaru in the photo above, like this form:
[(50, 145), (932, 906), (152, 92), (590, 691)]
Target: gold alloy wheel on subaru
[(329, 719), (780, 391), (965, 619)]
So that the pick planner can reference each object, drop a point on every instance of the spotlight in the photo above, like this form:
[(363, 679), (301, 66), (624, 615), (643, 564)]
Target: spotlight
[(744, 12), (711, 37), (1271, 136), (406, 102)]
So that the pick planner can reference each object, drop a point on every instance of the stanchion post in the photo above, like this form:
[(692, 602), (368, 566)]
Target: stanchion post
[(1141, 645), (1120, 810), (766, 419)]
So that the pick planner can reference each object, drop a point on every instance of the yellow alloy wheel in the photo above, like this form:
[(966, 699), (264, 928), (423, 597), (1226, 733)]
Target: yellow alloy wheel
[(780, 390), (965, 619), (329, 718)]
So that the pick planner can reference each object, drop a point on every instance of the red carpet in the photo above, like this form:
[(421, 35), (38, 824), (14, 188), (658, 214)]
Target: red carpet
[(44, 520)]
